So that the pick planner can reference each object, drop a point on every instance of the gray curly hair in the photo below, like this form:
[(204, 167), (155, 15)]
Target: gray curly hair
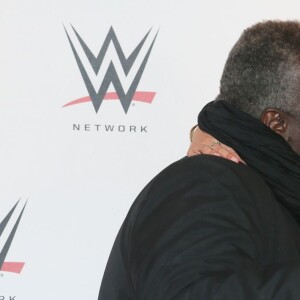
[(263, 69)]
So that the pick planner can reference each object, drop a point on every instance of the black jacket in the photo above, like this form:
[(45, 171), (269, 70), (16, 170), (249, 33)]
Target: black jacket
[(205, 228)]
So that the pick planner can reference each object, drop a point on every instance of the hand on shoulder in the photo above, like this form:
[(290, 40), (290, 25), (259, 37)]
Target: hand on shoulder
[(204, 143)]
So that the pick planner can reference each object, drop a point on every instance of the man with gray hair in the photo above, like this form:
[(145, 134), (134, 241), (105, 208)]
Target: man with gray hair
[(208, 228)]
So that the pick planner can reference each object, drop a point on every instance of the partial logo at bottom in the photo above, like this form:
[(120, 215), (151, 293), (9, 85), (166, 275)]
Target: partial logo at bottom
[(5, 266)]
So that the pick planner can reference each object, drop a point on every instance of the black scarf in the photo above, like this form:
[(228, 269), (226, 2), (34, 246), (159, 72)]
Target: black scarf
[(261, 148)]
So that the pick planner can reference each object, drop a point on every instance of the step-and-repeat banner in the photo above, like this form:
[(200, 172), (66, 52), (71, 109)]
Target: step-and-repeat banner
[(96, 97)]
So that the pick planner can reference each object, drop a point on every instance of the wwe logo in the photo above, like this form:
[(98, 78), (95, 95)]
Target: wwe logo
[(15, 267), (111, 75)]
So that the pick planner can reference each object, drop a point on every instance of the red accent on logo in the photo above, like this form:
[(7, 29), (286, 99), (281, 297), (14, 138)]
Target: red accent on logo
[(13, 267), (146, 97)]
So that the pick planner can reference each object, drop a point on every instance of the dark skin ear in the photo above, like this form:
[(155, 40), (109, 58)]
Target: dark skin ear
[(276, 120), (285, 125)]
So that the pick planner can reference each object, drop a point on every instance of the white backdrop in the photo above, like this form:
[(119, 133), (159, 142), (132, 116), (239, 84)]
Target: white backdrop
[(79, 185)]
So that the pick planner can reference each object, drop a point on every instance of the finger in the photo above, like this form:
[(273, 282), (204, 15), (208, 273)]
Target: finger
[(201, 149), (228, 153), (217, 150)]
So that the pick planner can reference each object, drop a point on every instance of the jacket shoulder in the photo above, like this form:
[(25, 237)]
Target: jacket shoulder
[(211, 171)]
